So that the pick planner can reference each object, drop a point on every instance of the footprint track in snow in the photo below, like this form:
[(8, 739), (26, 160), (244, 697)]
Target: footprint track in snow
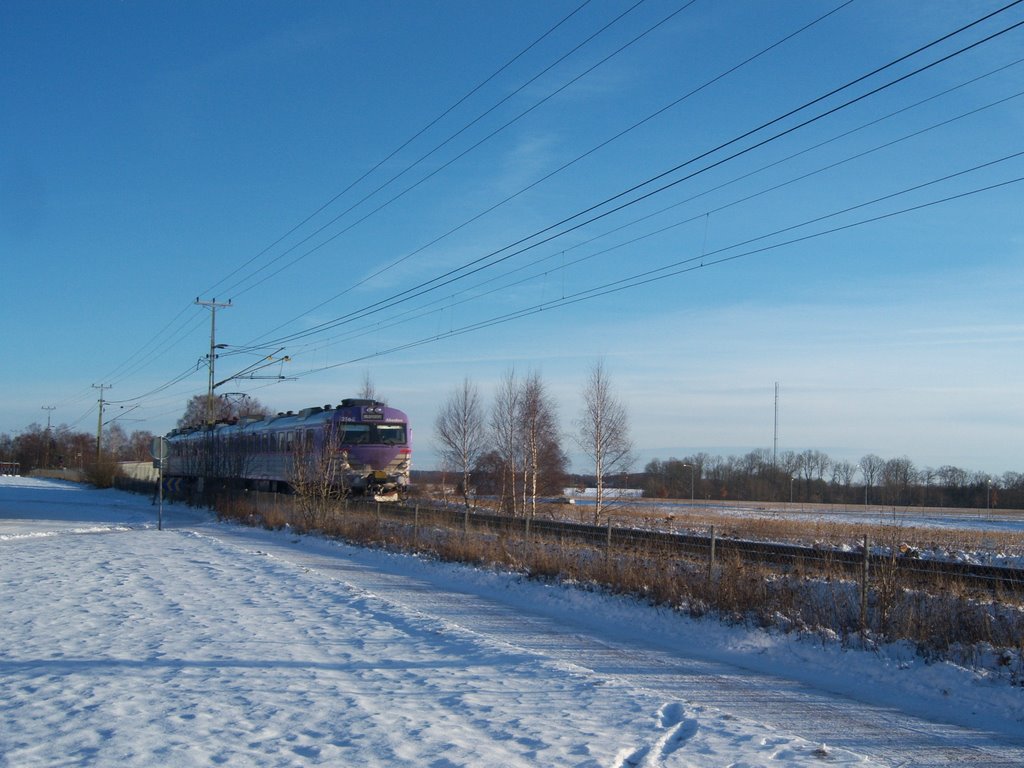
[(678, 730)]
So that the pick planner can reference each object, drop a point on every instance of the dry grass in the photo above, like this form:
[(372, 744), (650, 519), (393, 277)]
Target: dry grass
[(815, 527), (947, 621)]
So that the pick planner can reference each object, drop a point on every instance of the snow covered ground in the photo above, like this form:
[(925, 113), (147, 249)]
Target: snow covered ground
[(1011, 521), (901, 519), (208, 644)]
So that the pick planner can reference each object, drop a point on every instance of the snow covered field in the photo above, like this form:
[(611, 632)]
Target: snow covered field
[(214, 644)]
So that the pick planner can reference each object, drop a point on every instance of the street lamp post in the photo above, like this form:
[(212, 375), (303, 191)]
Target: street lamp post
[(691, 482), (865, 475)]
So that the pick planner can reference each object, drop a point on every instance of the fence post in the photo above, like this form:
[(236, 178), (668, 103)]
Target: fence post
[(864, 589), (416, 525), (711, 556)]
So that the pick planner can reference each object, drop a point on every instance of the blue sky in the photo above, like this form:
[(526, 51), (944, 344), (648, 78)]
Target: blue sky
[(333, 167)]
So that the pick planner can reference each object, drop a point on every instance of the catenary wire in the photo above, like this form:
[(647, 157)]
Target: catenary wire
[(447, 163), (683, 266), (154, 344), (706, 84), (490, 259), (398, 149), (156, 350), (740, 244), (1004, 30), (449, 300)]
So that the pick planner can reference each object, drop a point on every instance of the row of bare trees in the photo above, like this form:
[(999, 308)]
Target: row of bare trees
[(61, 447), (813, 476), (514, 449)]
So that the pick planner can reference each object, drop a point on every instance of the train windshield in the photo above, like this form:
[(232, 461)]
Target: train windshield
[(353, 434), (390, 434), (371, 434)]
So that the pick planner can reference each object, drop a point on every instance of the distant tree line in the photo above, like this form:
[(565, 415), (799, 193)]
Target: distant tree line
[(39, 447), (514, 451), (813, 476), (61, 447)]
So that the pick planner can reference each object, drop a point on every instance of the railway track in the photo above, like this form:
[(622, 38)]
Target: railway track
[(711, 548)]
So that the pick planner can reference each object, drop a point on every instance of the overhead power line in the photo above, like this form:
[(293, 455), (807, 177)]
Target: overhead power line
[(707, 83), (449, 302), (393, 153), (156, 346), (542, 236), (165, 338), (451, 161), (492, 259), (690, 264)]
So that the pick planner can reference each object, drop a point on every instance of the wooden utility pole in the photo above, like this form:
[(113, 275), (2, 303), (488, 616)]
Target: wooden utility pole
[(214, 306)]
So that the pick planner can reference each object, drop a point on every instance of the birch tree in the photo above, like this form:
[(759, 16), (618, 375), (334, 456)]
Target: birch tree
[(541, 449), (505, 436), (603, 431), (461, 433)]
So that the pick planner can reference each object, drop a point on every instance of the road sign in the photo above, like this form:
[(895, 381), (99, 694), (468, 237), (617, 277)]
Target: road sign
[(158, 449)]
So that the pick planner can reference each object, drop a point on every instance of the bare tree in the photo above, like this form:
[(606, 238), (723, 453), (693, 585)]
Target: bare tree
[(541, 448), (368, 391), (316, 474), (871, 468), (460, 430), (196, 411), (139, 445), (115, 441), (225, 409), (926, 476), (843, 472), (603, 431), (505, 435), (898, 475)]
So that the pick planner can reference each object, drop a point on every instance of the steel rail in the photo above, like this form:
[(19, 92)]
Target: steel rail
[(990, 577)]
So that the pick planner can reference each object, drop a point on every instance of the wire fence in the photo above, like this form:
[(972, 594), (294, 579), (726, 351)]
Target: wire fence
[(859, 559)]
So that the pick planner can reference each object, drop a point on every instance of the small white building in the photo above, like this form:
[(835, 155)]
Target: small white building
[(609, 493)]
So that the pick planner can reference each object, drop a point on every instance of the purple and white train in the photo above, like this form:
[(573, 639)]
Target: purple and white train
[(362, 447)]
